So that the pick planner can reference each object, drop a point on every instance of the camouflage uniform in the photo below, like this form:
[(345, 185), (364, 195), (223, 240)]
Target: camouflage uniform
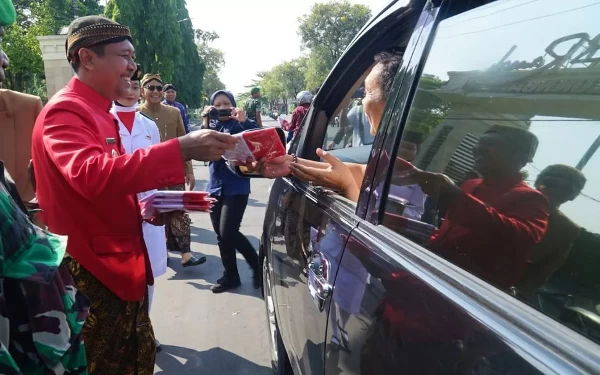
[(41, 311), (250, 107)]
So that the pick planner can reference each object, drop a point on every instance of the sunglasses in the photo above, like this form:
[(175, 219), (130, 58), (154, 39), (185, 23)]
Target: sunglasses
[(152, 88)]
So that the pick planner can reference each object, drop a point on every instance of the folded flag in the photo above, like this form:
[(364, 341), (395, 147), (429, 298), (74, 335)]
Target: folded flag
[(257, 144), (166, 201)]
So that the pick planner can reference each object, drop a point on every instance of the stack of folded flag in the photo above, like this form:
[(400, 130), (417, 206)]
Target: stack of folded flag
[(165, 201)]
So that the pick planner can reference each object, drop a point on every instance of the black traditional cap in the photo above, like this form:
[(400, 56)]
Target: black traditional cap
[(521, 140), (169, 86), (89, 31), (137, 75)]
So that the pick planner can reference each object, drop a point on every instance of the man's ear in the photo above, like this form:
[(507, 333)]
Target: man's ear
[(87, 58)]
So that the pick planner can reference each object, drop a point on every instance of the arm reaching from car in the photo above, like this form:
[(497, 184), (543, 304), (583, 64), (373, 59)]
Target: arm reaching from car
[(332, 173)]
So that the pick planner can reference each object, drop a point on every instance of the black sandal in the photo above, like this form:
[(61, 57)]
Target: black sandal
[(193, 261)]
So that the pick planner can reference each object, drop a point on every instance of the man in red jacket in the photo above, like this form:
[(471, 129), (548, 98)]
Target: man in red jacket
[(493, 222), (86, 185)]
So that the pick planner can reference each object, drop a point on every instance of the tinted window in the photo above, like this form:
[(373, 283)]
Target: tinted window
[(349, 126), (498, 169)]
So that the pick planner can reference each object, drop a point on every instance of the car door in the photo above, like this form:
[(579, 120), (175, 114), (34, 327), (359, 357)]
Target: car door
[(309, 226), (428, 308)]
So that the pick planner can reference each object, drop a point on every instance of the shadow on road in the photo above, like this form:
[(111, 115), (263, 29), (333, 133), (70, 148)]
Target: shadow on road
[(203, 236), (203, 271), (212, 361), (245, 290), (255, 203)]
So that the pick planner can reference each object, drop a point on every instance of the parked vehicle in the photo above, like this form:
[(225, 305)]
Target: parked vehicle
[(361, 288)]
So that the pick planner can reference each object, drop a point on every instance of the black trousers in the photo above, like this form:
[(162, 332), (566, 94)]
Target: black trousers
[(226, 217)]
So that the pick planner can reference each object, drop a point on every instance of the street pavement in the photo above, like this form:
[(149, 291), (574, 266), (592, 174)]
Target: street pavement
[(204, 333)]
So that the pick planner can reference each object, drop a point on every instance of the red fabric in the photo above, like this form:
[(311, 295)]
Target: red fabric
[(490, 232), (297, 117), (86, 185), (491, 229), (264, 143), (127, 119)]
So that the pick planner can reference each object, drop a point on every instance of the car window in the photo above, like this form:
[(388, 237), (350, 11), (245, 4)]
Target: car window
[(349, 125), (498, 168)]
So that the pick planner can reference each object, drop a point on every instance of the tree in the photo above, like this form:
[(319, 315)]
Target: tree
[(273, 89), (214, 60), (291, 74), (190, 69), (157, 35), (36, 18), (318, 65), (428, 110), (330, 27)]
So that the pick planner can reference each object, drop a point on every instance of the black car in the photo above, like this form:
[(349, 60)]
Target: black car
[(499, 280)]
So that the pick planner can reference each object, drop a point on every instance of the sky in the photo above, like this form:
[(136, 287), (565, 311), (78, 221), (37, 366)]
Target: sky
[(256, 35), (476, 40)]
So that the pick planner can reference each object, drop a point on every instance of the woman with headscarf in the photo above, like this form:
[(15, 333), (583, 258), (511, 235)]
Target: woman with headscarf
[(231, 193), (304, 99)]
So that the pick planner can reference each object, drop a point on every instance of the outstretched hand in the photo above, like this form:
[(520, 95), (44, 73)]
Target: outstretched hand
[(336, 176)]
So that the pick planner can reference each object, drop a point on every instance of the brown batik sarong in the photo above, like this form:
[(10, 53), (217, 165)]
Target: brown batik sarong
[(178, 228), (118, 335)]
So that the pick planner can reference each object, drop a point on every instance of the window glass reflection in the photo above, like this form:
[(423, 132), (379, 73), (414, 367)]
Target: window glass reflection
[(498, 170)]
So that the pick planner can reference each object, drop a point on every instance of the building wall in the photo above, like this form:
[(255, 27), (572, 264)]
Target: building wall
[(56, 68)]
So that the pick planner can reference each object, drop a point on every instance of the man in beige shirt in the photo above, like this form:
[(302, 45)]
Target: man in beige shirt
[(17, 115), (170, 125)]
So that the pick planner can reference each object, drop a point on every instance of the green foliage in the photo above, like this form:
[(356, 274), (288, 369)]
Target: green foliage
[(428, 110), (214, 60), (155, 31), (326, 31), (37, 18), (190, 69), (164, 40), (291, 74), (318, 66)]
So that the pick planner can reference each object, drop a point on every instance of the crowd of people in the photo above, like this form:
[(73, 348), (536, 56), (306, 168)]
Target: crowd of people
[(96, 151)]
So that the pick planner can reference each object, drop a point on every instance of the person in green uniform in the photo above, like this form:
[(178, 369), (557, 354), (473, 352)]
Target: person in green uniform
[(41, 311), (252, 106)]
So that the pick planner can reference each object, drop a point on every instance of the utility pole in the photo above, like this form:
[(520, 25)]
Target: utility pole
[(588, 155)]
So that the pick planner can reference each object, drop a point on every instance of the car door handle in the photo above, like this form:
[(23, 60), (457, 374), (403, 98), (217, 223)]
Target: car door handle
[(319, 288)]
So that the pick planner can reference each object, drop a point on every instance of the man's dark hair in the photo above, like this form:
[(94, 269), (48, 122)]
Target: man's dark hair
[(389, 63), (169, 86), (98, 49), (564, 172)]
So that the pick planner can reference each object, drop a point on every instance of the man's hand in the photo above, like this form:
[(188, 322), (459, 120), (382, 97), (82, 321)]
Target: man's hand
[(205, 145), (436, 184), (275, 168), (337, 176), (190, 180)]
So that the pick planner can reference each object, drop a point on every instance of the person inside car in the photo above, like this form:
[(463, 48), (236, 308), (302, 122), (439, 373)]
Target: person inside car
[(520, 220), (333, 173)]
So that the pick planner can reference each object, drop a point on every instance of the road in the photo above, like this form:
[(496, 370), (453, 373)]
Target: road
[(204, 333)]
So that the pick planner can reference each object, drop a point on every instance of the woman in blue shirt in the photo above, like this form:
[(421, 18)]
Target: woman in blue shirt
[(231, 192)]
